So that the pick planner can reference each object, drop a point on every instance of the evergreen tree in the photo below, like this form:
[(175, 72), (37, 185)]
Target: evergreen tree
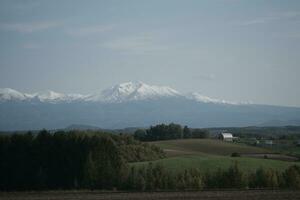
[(186, 132)]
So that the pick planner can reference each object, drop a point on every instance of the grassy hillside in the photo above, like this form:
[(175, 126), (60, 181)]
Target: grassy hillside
[(205, 146), (208, 154), (212, 163)]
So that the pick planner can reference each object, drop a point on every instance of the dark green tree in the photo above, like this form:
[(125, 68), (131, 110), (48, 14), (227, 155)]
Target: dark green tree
[(187, 132)]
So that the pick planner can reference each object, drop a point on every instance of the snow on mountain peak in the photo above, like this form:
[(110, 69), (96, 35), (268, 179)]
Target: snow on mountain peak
[(133, 91), (205, 99), (7, 94), (123, 92), (10, 94), (50, 96)]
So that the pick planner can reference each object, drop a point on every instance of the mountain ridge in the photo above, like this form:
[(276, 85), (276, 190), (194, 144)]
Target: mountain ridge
[(123, 92), (27, 115), (133, 104)]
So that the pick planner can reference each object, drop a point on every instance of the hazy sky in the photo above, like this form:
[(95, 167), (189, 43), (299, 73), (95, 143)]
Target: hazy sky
[(229, 49)]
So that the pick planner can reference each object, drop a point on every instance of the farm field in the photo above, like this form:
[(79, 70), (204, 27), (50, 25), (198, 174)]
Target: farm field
[(206, 146), (213, 163), (290, 150), (191, 195), (210, 155)]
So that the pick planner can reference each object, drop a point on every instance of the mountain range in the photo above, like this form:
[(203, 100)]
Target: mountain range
[(124, 92), (132, 104)]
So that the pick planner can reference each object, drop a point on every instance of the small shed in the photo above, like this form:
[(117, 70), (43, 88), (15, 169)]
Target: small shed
[(226, 137)]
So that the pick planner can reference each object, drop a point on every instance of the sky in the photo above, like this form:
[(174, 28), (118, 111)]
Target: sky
[(228, 49)]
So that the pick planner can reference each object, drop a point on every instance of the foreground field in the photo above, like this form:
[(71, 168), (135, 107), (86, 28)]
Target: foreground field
[(208, 154), (90, 195)]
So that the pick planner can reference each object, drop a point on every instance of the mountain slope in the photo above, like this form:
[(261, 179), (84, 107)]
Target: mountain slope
[(129, 91), (7, 94), (132, 91), (131, 105)]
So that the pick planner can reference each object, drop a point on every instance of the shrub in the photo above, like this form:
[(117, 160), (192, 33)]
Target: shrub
[(292, 177), (235, 154)]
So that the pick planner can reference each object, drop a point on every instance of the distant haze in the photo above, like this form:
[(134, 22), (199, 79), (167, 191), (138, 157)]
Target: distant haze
[(234, 50)]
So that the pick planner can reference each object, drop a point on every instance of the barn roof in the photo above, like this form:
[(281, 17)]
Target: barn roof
[(227, 135)]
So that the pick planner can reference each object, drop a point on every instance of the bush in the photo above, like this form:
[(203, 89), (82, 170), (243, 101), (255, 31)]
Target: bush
[(292, 177), (265, 178), (235, 154), (233, 177)]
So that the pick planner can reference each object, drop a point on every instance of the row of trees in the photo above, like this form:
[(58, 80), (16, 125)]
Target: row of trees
[(156, 177), (169, 132), (69, 160)]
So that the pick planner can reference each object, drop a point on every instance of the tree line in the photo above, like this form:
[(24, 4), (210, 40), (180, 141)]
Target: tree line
[(169, 132), (67, 160), (156, 177)]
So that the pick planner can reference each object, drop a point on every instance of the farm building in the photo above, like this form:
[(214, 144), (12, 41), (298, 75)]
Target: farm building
[(227, 137), (269, 142)]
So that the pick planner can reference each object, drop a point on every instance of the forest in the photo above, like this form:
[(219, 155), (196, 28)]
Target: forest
[(67, 160), (97, 160)]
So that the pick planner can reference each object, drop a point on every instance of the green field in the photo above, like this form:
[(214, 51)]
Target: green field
[(208, 154)]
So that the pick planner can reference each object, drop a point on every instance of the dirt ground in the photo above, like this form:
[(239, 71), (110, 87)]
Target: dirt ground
[(199, 195)]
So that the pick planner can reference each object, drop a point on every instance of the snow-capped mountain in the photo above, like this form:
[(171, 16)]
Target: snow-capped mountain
[(7, 94), (51, 96), (205, 99), (132, 104), (124, 92), (130, 91)]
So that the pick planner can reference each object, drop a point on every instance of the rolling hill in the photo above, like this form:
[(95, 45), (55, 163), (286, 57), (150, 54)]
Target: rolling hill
[(205, 146), (208, 154)]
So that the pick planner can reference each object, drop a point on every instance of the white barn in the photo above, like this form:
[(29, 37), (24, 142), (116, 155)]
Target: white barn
[(226, 137)]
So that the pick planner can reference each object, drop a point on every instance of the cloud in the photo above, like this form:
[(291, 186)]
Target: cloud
[(287, 34), (206, 77), (31, 46), (28, 27), (22, 6), (89, 30), (136, 44), (270, 18), (295, 35), (257, 21)]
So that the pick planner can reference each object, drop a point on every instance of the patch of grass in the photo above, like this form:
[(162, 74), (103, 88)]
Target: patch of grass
[(290, 150), (212, 163)]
